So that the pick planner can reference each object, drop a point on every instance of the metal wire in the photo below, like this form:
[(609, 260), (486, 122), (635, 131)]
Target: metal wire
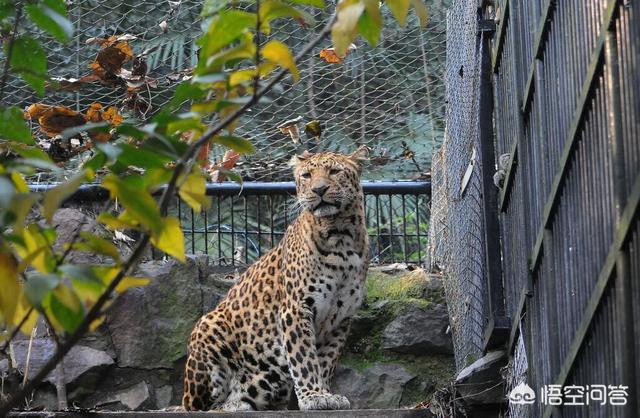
[(456, 243), (385, 97)]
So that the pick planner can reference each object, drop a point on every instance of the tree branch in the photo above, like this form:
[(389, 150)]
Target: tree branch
[(131, 263)]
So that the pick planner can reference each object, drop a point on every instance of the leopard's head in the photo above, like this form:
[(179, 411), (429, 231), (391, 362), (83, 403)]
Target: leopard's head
[(328, 183)]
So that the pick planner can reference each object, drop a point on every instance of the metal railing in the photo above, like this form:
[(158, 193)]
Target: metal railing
[(567, 111), (246, 220)]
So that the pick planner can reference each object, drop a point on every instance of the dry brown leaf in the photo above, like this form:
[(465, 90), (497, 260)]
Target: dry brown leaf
[(330, 56), (54, 119), (229, 161)]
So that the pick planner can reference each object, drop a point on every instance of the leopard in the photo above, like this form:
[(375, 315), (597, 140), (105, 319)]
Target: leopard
[(278, 333)]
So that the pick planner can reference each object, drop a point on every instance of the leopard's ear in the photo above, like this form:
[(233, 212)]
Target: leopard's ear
[(361, 155), (298, 158)]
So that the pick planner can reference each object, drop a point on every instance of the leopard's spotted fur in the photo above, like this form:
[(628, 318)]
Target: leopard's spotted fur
[(282, 326)]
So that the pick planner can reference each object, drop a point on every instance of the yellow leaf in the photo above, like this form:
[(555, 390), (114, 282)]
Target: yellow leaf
[(128, 282), (18, 180), (279, 53), (421, 11), (9, 285), (345, 30), (22, 308), (36, 250), (67, 297), (54, 197), (170, 239), (96, 323), (400, 9), (123, 221), (193, 191)]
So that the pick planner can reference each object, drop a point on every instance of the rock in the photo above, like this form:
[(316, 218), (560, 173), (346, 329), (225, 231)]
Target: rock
[(419, 331), (481, 382), (150, 326), (163, 396), (66, 222), (77, 363), (133, 398), (380, 386), (4, 366)]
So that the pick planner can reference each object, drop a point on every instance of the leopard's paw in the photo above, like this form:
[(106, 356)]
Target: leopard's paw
[(323, 401)]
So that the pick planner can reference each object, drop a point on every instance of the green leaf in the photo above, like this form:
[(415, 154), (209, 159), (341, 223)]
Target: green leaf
[(139, 203), (344, 31), (236, 143), (370, 23), (274, 9), (143, 157), (94, 244), (213, 6), (170, 239), (38, 287), (225, 28), (54, 197), (30, 61), (13, 127), (9, 285), (279, 53), (34, 153), (399, 9), (315, 3), (421, 11), (231, 175), (50, 20), (66, 308), (186, 91)]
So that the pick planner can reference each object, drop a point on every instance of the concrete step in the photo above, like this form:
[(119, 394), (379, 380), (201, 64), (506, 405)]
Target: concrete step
[(356, 413)]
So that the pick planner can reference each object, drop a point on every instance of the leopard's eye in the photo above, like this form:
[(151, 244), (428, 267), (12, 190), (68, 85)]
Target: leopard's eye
[(305, 175), (334, 171)]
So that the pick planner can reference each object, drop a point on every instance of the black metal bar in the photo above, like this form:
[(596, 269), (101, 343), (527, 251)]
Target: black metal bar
[(95, 192), (391, 230), (499, 334), (233, 232), (595, 69), (623, 231), (404, 228), (624, 351)]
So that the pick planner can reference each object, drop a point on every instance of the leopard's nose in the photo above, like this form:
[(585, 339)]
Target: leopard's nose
[(320, 190)]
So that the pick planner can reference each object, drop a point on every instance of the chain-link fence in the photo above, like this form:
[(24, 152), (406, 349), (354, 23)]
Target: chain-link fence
[(390, 98), (457, 234)]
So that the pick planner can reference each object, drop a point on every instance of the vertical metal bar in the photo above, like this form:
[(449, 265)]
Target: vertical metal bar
[(500, 325), (378, 228), (246, 231), (624, 292), (206, 231), (259, 220), (418, 227), (391, 229), (218, 229), (271, 221), (193, 233), (404, 228), (233, 232)]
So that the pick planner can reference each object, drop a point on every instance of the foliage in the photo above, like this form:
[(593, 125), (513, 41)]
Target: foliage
[(133, 161)]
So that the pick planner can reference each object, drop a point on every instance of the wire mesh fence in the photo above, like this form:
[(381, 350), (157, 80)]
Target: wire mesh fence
[(389, 98), (457, 234)]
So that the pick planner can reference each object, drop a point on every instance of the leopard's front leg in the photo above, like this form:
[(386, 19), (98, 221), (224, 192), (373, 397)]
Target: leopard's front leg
[(299, 340), (329, 351)]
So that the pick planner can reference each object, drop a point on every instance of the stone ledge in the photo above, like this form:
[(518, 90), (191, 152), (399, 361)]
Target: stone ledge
[(358, 413)]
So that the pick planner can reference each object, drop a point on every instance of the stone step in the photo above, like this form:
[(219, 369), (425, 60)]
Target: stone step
[(357, 413)]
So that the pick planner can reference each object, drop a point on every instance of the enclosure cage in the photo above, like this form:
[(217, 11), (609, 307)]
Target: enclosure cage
[(390, 98)]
